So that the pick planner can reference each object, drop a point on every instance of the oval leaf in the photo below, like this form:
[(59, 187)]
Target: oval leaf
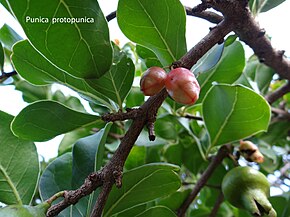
[(43, 120), (39, 71), (72, 170), (116, 83), (234, 112), (158, 25), (208, 60), (55, 178), (86, 51), (142, 184), (19, 166), (160, 211), (227, 70)]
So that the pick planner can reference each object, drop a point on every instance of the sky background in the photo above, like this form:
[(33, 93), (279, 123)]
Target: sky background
[(275, 22)]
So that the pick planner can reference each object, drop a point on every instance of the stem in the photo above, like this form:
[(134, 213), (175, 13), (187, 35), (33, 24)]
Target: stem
[(223, 152), (217, 205)]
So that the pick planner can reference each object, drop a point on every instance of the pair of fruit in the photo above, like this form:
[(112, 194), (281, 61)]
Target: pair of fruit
[(249, 189), (180, 84)]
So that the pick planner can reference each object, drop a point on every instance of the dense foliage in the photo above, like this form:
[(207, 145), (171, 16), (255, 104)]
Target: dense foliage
[(158, 175)]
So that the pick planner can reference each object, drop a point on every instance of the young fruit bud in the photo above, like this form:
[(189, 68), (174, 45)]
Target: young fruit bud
[(250, 152), (152, 81), (249, 189), (182, 86)]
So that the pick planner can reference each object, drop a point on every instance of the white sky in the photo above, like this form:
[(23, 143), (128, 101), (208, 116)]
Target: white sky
[(275, 23)]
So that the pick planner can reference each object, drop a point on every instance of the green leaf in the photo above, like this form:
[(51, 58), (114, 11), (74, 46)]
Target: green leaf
[(70, 138), (86, 51), (135, 210), (39, 71), (55, 178), (135, 98), (234, 112), (31, 93), (4, 3), (136, 157), (19, 166), (88, 154), (227, 70), (281, 204), (175, 200), (276, 132), (8, 36), (269, 4), (157, 25), (70, 170), (141, 185), (259, 73), (258, 6), (43, 120), (160, 211), (2, 56), (149, 57), (116, 83), (208, 60)]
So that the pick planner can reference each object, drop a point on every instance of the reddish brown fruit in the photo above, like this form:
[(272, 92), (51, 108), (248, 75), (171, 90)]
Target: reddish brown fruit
[(182, 86), (152, 81)]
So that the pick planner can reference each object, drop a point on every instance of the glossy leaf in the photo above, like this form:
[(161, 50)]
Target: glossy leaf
[(135, 210), (175, 200), (2, 56), (276, 132), (31, 93), (70, 138), (160, 211), (258, 6), (116, 83), (19, 166), (157, 25), (88, 154), (227, 70), (149, 57), (136, 157), (208, 60), (39, 71), (259, 73), (8, 36), (135, 98), (86, 51), (142, 184), (43, 120), (234, 112), (55, 178), (70, 170)]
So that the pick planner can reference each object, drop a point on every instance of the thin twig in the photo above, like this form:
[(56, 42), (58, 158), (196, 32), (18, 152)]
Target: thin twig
[(193, 117), (217, 205), (223, 152), (277, 94), (206, 15), (5, 75), (282, 114)]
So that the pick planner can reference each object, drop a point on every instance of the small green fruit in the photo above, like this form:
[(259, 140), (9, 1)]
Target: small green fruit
[(25, 211), (249, 189)]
